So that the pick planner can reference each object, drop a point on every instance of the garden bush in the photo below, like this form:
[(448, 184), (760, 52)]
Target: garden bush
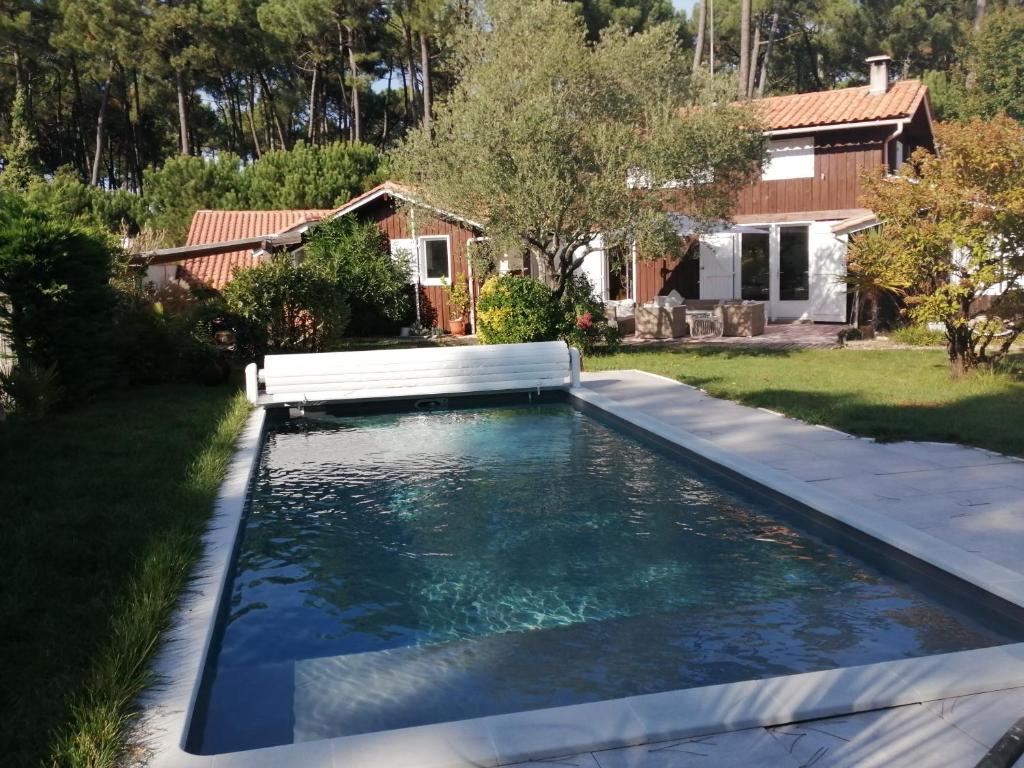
[(917, 336), (55, 275), (156, 344), (581, 318), (288, 308), (356, 256), (513, 309)]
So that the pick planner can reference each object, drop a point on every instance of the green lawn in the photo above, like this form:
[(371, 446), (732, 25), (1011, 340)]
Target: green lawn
[(887, 394), (100, 513)]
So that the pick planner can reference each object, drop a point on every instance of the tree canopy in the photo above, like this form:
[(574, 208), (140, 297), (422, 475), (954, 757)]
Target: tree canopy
[(953, 237), (575, 125)]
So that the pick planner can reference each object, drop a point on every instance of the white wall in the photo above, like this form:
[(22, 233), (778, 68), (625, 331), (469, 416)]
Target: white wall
[(595, 267)]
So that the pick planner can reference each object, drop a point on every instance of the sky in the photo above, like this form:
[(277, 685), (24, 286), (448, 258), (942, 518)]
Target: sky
[(684, 5)]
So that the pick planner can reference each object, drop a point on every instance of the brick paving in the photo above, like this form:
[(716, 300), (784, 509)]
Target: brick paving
[(775, 336)]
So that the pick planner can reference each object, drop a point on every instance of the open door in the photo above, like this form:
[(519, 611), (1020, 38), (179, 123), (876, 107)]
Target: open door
[(718, 266)]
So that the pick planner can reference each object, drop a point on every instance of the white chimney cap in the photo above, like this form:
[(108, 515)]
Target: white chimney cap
[(879, 74)]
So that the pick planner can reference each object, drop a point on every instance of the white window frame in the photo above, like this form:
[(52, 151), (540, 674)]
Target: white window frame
[(421, 247), (789, 159)]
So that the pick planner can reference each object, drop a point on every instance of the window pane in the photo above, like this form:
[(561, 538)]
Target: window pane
[(437, 258), (793, 259), (754, 269)]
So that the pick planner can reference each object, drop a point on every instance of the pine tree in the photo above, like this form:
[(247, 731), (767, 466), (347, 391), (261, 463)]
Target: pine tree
[(21, 152)]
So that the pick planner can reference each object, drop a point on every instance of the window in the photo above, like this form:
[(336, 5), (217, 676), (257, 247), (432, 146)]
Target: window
[(789, 159), (754, 268), (435, 260), (793, 263)]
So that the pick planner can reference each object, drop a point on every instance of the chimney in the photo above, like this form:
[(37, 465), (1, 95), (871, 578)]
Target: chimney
[(879, 74)]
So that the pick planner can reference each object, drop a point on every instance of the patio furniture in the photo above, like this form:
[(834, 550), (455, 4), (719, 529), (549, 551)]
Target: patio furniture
[(621, 316), (737, 318), (704, 323), (663, 318), (746, 318)]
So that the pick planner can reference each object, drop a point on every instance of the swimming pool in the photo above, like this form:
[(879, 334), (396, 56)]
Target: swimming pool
[(402, 569)]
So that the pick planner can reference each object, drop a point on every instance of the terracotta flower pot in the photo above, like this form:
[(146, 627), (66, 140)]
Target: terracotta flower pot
[(457, 327)]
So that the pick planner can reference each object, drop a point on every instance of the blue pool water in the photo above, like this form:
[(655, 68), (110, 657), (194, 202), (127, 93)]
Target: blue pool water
[(404, 569)]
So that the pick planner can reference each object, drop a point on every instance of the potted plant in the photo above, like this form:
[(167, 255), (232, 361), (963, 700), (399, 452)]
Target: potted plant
[(458, 303)]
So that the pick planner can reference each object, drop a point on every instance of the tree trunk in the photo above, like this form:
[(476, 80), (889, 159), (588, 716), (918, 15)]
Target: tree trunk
[(744, 47), (311, 128), (252, 119), (81, 153), (702, 22), (97, 157), (179, 84), (979, 13), (752, 72), (357, 128), (958, 347), (425, 70), (768, 53), (387, 105), (138, 116), (410, 64), (268, 98)]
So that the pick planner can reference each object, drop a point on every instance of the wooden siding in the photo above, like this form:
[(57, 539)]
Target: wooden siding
[(394, 221), (839, 160)]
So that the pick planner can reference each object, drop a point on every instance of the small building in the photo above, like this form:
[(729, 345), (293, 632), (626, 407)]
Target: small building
[(434, 241)]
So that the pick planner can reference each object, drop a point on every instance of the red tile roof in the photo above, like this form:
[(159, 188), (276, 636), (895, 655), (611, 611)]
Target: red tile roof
[(220, 226), (845, 105)]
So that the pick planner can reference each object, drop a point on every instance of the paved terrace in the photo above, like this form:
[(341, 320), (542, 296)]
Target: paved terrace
[(775, 336), (971, 498)]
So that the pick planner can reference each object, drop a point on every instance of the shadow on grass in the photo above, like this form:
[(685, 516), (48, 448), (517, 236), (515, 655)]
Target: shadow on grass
[(101, 505)]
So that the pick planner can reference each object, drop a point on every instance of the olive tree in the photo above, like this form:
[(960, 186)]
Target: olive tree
[(547, 139), (953, 238)]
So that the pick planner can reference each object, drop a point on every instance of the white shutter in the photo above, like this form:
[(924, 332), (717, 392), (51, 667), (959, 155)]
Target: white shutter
[(827, 269), (405, 248), (717, 266)]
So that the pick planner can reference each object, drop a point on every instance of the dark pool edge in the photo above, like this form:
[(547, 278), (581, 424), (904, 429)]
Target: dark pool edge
[(538, 734)]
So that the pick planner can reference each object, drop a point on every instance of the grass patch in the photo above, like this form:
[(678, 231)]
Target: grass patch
[(887, 394), (103, 507)]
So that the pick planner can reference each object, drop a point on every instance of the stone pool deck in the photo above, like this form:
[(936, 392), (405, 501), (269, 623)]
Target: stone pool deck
[(970, 498)]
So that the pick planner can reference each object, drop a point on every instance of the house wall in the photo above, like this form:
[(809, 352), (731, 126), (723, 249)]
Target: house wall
[(404, 223), (839, 159)]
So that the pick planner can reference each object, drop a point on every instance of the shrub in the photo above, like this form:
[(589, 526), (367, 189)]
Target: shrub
[(917, 336), (55, 276), (288, 308), (156, 345), (356, 257), (29, 390), (581, 318), (513, 309), (458, 296), (68, 198)]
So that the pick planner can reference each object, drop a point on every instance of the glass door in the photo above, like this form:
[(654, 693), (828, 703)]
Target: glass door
[(754, 266)]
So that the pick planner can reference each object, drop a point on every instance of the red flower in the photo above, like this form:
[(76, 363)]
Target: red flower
[(584, 321)]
